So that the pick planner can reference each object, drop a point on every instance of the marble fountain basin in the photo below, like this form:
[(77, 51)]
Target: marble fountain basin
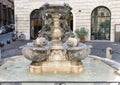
[(95, 69)]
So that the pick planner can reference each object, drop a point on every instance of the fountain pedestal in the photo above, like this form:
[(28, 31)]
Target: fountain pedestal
[(57, 49), (56, 55)]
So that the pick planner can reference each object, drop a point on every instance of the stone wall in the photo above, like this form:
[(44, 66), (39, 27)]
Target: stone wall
[(81, 10)]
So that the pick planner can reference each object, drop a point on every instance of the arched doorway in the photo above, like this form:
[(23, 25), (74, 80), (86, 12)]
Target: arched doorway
[(100, 23), (35, 23)]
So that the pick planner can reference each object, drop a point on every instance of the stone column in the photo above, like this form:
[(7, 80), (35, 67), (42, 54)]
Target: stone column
[(57, 50), (57, 34)]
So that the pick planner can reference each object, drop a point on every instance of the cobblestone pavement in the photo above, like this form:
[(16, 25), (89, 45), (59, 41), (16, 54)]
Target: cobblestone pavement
[(99, 49), (13, 48), (5, 37)]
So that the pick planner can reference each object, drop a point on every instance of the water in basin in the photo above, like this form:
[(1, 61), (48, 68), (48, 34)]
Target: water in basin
[(94, 70)]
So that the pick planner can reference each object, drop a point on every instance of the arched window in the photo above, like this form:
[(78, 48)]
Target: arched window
[(35, 23), (100, 23)]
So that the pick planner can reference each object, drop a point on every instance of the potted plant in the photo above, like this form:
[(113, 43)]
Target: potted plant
[(81, 33)]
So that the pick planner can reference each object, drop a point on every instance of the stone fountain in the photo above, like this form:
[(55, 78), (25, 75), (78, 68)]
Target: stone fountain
[(63, 53), (57, 57)]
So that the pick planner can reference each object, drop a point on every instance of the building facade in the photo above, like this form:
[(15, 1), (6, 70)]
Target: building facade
[(6, 12), (101, 18)]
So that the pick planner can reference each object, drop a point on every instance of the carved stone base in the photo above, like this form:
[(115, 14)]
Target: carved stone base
[(57, 66)]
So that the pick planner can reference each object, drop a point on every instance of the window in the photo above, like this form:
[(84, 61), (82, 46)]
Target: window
[(100, 23)]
